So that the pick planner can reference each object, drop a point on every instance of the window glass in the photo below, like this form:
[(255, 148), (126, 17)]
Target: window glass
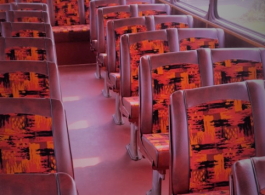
[(247, 13), (200, 4)]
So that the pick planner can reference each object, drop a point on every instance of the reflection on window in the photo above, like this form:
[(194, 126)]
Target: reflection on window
[(200, 4), (247, 13)]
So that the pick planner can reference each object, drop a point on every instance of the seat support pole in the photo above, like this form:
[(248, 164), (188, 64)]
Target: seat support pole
[(132, 147), (98, 69), (156, 183), (117, 116), (105, 91)]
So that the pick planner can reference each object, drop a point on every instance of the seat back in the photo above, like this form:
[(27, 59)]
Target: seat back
[(115, 29), (30, 79), (210, 129), (94, 5), (30, 6), (247, 177), (110, 13), (20, 29), (3, 16), (159, 76), (158, 22), (40, 49), (5, 7), (234, 64), (28, 16), (153, 9), (34, 137), (42, 184), (196, 38), (134, 46), (129, 2)]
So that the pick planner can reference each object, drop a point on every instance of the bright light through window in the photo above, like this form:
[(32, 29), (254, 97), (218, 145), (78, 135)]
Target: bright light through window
[(247, 13)]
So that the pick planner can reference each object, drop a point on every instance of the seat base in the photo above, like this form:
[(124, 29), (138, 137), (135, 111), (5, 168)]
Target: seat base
[(156, 183), (132, 147)]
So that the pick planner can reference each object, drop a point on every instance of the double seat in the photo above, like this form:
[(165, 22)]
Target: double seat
[(34, 147)]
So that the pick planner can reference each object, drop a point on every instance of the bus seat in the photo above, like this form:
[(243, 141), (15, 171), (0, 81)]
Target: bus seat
[(153, 9), (38, 49), (234, 64), (42, 184), (159, 76), (41, 142), (28, 16), (210, 129), (132, 47), (30, 79)]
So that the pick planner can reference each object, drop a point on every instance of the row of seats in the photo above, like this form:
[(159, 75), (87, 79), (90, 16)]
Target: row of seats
[(201, 147), (35, 152)]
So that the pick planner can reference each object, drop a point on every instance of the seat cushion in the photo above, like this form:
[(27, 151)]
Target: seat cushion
[(157, 146), (71, 33), (131, 104), (221, 192), (115, 80)]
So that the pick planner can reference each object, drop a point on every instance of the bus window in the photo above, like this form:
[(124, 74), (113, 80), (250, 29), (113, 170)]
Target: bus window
[(199, 4), (247, 13)]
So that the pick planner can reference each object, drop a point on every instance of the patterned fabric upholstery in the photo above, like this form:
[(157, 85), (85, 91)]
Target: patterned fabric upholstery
[(66, 12), (25, 53), (29, 19), (26, 144), (220, 133), (235, 70), (34, 1), (137, 50), (87, 15), (121, 31), (159, 140), (28, 33), (72, 28), (167, 25), (166, 80), (195, 43), (24, 84), (222, 192), (151, 13), (113, 16)]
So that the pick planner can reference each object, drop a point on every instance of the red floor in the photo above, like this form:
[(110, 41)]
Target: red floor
[(101, 163)]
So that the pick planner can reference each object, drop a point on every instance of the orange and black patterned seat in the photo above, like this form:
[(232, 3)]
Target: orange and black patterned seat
[(132, 48), (158, 22), (159, 76), (29, 79), (210, 129), (41, 6), (104, 15), (20, 29), (34, 137), (153, 9), (115, 29), (37, 49), (28, 16), (196, 38), (234, 64), (41, 184)]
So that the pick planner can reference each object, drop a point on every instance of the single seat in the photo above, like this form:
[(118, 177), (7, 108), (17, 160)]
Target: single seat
[(153, 9), (210, 129), (132, 47), (234, 64), (42, 184), (28, 16), (196, 38), (20, 29), (34, 137), (94, 5), (5, 7), (37, 49), (159, 76), (104, 15), (247, 177), (158, 22), (116, 28), (30, 79)]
